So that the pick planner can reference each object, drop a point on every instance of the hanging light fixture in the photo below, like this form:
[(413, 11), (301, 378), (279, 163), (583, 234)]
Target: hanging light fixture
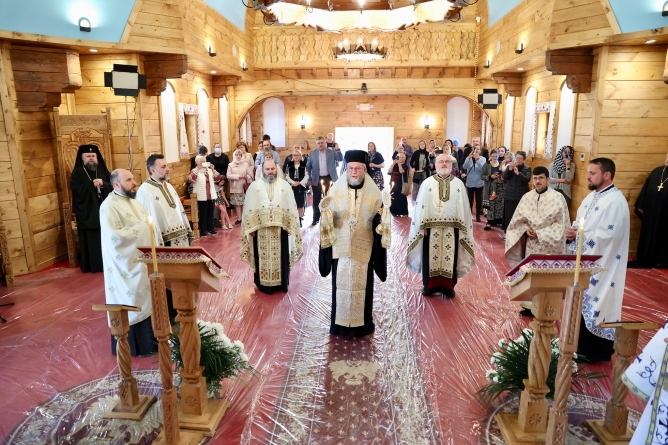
[(361, 51), (302, 122), (309, 8), (361, 6)]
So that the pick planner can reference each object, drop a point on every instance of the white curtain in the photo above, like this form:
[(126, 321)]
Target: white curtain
[(566, 115), (529, 113), (170, 139), (203, 129), (508, 122), (273, 111)]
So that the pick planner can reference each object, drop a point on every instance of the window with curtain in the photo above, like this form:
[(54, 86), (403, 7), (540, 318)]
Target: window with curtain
[(204, 137), (273, 111), (566, 118), (529, 112), (168, 123)]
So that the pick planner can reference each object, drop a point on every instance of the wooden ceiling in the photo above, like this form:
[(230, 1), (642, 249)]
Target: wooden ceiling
[(353, 5)]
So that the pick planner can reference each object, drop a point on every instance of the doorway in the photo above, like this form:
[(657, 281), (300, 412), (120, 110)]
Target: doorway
[(358, 138)]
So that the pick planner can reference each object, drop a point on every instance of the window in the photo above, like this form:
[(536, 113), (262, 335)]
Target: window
[(273, 111), (529, 111), (508, 122), (204, 135), (170, 141), (458, 113), (566, 117)]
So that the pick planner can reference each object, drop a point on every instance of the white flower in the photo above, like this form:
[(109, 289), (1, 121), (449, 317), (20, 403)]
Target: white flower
[(575, 356), (495, 358), (239, 345), (244, 357), (226, 341), (495, 379), (528, 332), (519, 340), (575, 367), (501, 343), (491, 374)]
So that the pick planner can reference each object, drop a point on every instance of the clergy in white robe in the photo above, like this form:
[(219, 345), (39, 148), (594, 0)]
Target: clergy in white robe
[(440, 242), (271, 241), (163, 205), (646, 378), (124, 227), (355, 233), (539, 223), (605, 213)]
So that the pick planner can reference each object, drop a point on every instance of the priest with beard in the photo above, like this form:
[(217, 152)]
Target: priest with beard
[(271, 241), (124, 228), (440, 242), (90, 185), (355, 234), (652, 209)]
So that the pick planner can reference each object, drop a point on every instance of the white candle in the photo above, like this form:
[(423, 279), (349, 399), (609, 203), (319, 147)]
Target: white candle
[(322, 183), (155, 258), (579, 254)]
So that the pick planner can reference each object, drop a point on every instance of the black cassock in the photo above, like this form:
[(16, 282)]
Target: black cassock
[(377, 264), (86, 206), (285, 266), (653, 241)]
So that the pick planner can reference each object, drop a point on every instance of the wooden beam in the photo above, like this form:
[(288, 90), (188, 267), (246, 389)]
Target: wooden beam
[(665, 70), (576, 64), (511, 81), (218, 92), (160, 67), (610, 15), (225, 81)]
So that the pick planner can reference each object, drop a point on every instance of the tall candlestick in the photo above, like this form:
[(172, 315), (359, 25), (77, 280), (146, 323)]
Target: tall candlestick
[(322, 183), (155, 258), (581, 232)]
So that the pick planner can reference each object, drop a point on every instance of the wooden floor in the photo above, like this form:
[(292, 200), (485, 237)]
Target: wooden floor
[(54, 341)]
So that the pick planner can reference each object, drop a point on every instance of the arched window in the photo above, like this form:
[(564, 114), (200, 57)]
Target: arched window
[(458, 113), (224, 124), (204, 134), (508, 122), (566, 118), (168, 122), (529, 112), (273, 111)]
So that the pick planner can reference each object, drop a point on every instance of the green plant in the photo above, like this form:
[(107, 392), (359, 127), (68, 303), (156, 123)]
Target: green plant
[(511, 359), (220, 357)]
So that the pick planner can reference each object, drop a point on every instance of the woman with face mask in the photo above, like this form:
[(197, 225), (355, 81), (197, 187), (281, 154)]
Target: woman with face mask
[(218, 159)]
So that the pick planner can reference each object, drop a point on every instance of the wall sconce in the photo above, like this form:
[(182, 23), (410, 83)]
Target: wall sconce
[(364, 88), (488, 64), (414, 3), (211, 53), (302, 122), (520, 48), (243, 66), (361, 6), (425, 122), (664, 13), (84, 24), (309, 8)]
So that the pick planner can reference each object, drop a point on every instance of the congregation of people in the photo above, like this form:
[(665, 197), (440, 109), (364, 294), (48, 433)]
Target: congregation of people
[(354, 198)]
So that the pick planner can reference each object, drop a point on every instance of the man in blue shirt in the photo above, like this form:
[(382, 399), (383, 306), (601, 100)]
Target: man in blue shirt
[(321, 168)]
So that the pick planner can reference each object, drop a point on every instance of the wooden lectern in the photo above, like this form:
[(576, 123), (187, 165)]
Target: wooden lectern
[(188, 271), (544, 280), (130, 405), (613, 430)]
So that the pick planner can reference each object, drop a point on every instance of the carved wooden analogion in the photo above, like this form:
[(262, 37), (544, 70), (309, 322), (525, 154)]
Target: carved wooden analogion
[(71, 132)]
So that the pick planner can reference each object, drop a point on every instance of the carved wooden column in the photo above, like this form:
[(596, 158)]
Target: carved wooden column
[(613, 430), (130, 404), (576, 64)]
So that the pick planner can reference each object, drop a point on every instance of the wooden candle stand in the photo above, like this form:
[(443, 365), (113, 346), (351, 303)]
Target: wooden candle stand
[(544, 280), (188, 271), (613, 430), (130, 405)]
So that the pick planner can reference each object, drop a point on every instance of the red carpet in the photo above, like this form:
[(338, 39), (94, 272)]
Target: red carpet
[(414, 379)]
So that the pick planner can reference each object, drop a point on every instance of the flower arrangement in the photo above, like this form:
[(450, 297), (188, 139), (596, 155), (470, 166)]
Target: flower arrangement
[(220, 357), (510, 367)]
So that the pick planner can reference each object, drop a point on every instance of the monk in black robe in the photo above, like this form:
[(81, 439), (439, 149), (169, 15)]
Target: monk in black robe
[(90, 184), (652, 209)]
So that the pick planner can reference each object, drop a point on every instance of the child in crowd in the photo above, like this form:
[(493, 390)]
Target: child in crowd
[(222, 204)]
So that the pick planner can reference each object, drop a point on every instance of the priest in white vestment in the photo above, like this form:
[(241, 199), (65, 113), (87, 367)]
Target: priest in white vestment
[(124, 227), (162, 203), (271, 241), (355, 233), (440, 242), (539, 223), (646, 377), (605, 213)]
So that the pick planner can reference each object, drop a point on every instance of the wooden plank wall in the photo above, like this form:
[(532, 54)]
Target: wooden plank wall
[(578, 23), (157, 26), (633, 127), (528, 22)]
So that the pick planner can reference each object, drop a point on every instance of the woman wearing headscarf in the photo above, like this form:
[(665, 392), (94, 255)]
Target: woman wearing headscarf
[(376, 163), (245, 156), (493, 190), (562, 172)]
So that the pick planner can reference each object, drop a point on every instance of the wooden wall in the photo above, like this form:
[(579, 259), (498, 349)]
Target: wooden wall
[(580, 22)]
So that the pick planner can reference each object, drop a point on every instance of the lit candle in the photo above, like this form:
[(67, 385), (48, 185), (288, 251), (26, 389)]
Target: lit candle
[(581, 231), (322, 184), (155, 258)]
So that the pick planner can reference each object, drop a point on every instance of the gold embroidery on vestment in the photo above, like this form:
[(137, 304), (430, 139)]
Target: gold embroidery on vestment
[(269, 252), (441, 251), (350, 292)]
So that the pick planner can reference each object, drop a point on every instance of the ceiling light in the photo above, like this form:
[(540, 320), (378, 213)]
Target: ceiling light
[(84, 24), (93, 50), (520, 69), (213, 72), (211, 53), (651, 41)]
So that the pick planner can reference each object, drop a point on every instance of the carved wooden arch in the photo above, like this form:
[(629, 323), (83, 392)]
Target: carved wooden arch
[(72, 131)]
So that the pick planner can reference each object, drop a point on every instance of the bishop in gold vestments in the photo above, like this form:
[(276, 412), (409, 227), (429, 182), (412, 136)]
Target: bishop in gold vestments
[(354, 235)]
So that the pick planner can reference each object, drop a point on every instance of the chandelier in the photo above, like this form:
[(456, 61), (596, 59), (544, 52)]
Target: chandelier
[(365, 52)]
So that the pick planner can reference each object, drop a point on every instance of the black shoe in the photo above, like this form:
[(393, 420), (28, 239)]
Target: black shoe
[(635, 264), (486, 228), (526, 312), (238, 222), (314, 223), (428, 293), (477, 219), (202, 235), (449, 293), (214, 233), (300, 221)]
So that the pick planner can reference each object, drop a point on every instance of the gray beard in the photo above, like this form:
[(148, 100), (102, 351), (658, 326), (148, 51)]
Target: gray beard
[(355, 182), (91, 167), (444, 172), (269, 178)]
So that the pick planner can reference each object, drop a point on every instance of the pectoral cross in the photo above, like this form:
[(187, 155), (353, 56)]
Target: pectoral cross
[(659, 187)]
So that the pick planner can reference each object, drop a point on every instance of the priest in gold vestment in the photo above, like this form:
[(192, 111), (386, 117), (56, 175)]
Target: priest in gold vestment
[(354, 235), (271, 241), (440, 243)]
